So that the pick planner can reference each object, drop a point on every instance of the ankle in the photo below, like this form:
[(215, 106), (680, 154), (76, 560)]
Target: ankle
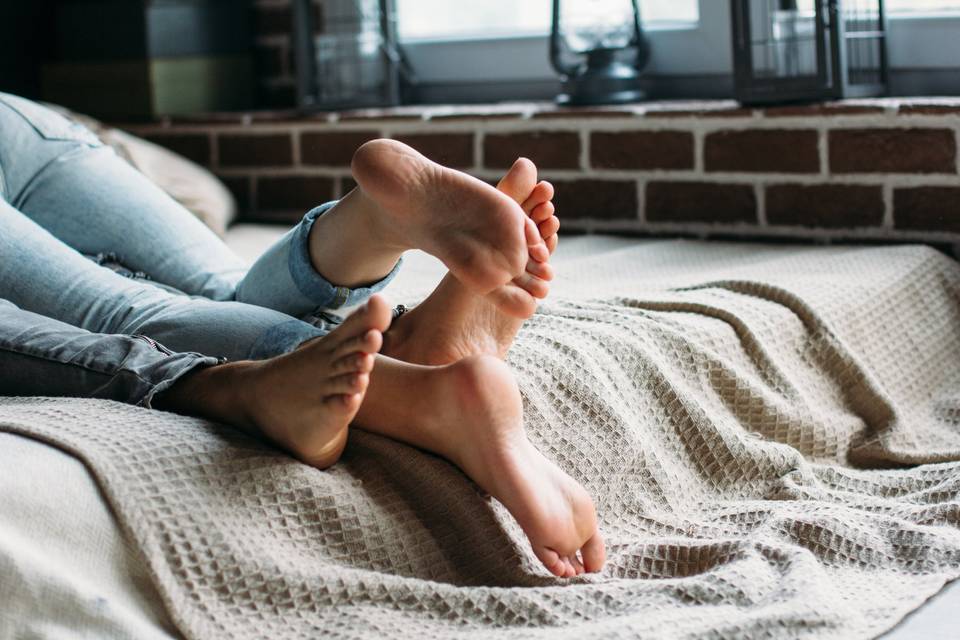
[(222, 392), (379, 226), (351, 245)]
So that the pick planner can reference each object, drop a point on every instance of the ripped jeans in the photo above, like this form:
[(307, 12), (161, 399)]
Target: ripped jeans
[(70, 325)]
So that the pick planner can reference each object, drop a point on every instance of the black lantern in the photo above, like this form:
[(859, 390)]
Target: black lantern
[(606, 39), (808, 50)]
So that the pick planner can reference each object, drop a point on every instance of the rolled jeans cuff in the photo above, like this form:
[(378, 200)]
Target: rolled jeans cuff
[(324, 294), (168, 373), (283, 278)]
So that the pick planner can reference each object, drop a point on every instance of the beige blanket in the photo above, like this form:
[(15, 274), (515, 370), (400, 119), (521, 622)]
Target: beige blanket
[(771, 436)]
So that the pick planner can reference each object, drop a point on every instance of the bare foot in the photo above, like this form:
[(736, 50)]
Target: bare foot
[(306, 399), (454, 322), (301, 401), (481, 417), (479, 233)]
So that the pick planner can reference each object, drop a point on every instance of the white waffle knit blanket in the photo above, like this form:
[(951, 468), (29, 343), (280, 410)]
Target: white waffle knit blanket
[(771, 435)]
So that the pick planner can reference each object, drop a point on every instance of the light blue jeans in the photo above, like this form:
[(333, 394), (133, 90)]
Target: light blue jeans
[(109, 288)]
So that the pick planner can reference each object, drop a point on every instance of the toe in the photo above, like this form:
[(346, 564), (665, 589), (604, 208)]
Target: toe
[(534, 286), (379, 313), (551, 243), (520, 180), (374, 314), (542, 212), (536, 249), (369, 342), (549, 227), (542, 270), (577, 565), (513, 301), (594, 553), (551, 560), (541, 194), (351, 402), (352, 363), (347, 384)]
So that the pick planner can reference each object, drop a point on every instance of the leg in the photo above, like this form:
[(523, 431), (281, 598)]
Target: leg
[(41, 356), (60, 176), (39, 273), (63, 179), (471, 413)]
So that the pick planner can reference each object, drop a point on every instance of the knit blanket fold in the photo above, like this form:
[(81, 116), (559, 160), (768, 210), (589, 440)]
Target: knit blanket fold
[(771, 436)]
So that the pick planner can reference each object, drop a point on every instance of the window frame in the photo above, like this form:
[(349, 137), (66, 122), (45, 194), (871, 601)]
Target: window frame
[(687, 60)]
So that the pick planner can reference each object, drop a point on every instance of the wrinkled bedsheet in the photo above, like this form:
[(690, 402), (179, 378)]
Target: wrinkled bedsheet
[(770, 434)]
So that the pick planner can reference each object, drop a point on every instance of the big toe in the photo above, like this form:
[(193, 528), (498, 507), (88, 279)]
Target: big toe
[(520, 180), (374, 314), (594, 553)]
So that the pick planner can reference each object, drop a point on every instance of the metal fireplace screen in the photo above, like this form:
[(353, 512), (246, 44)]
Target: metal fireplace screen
[(809, 49), (351, 58)]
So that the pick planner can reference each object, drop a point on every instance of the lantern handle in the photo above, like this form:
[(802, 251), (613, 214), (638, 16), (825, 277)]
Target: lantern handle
[(643, 47), (556, 48)]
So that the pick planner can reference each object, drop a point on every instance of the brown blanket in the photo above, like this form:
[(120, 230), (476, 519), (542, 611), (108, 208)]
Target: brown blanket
[(771, 436)]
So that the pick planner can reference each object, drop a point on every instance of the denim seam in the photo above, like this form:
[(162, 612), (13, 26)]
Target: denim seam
[(96, 142), (42, 356)]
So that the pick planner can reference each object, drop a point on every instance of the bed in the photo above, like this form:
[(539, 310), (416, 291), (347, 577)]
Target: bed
[(770, 432)]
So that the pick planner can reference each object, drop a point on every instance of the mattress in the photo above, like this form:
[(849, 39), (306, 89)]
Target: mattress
[(72, 557)]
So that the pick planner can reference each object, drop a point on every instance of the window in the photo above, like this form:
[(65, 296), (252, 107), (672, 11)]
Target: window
[(443, 19), (489, 50), (923, 6)]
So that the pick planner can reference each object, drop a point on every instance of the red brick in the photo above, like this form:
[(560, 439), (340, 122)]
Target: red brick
[(927, 209), (239, 186), (193, 146), (821, 109), (930, 109), (332, 149), (292, 193), (700, 202), (641, 150), (596, 199), (762, 151), (825, 205), (255, 150), (476, 116), (722, 111), (213, 117), (390, 114), (583, 113), (547, 149), (893, 151), (449, 149)]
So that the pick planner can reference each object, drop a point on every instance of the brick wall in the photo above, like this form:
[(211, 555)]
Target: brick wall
[(879, 169)]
